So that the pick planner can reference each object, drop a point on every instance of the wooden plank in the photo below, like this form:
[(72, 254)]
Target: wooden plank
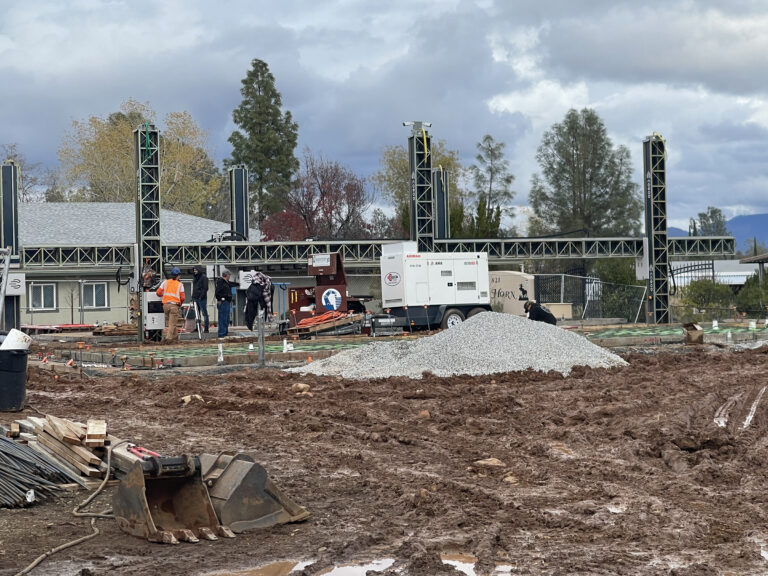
[(37, 423), (60, 462), (52, 429), (24, 437), (96, 433), (15, 430), (68, 455), (26, 425), (58, 428), (81, 452), (96, 428), (89, 485), (76, 428)]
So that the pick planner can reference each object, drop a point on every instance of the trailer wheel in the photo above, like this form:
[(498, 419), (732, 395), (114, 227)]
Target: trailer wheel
[(475, 312), (452, 318)]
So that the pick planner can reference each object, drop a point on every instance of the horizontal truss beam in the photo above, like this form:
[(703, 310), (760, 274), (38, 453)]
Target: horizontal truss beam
[(363, 253)]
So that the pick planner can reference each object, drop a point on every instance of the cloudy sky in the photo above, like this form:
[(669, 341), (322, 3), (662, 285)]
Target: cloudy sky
[(351, 72)]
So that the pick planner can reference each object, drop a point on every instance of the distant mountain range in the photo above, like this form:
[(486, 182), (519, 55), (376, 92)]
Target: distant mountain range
[(742, 228)]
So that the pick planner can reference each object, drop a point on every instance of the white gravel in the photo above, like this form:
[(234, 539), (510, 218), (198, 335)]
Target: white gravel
[(487, 343)]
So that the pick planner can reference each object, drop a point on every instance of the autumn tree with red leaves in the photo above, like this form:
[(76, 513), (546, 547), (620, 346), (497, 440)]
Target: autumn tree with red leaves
[(326, 201)]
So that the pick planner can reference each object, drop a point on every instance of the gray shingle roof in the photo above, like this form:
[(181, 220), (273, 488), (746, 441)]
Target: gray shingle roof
[(99, 223)]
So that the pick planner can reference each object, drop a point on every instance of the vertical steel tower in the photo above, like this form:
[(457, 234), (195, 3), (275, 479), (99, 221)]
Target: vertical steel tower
[(422, 197), (654, 163), (10, 184), (147, 163), (238, 191), (147, 139)]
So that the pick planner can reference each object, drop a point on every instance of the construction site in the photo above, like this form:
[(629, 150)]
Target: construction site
[(421, 430)]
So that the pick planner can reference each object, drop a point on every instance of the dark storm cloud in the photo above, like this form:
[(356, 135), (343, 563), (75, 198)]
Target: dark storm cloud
[(351, 73)]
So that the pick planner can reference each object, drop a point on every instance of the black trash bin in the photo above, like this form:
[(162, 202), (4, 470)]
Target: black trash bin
[(13, 379)]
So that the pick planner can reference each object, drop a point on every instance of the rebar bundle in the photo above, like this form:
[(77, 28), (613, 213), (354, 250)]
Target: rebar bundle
[(23, 470)]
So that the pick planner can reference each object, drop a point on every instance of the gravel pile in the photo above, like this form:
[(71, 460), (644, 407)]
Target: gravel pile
[(485, 344)]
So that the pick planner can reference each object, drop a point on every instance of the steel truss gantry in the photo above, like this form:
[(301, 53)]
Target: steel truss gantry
[(365, 253)]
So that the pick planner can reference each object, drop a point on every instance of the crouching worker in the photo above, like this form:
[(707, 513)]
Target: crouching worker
[(539, 313), (172, 293), (258, 295)]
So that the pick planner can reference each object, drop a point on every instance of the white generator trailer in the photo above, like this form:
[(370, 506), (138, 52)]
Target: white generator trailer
[(431, 289)]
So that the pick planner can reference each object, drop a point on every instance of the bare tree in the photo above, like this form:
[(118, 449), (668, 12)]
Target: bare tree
[(327, 200), (31, 173)]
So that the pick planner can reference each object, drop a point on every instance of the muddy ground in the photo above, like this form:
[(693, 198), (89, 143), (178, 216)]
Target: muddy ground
[(620, 471)]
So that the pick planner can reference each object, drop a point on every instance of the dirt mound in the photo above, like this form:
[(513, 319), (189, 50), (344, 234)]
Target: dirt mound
[(652, 468)]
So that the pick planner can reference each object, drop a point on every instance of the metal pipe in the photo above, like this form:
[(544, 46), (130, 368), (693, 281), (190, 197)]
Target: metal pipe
[(260, 325)]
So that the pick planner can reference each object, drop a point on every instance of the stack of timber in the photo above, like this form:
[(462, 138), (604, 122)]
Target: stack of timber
[(119, 329), (69, 442)]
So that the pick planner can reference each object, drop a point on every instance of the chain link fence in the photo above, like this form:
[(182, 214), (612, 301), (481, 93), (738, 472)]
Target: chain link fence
[(590, 297)]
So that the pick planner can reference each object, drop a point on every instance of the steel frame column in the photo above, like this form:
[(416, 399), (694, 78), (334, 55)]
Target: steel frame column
[(441, 185), (238, 191), (10, 184), (147, 139), (147, 163), (422, 197), (654, 162)]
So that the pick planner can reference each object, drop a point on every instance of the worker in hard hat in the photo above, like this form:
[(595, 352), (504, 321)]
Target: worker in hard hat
[(172, 293), (539, 313)]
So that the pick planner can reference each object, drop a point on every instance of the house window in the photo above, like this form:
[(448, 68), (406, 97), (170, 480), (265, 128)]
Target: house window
[(95, 295), (42, 296)]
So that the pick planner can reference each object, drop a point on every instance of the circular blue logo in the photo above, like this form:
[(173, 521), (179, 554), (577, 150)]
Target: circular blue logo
[(331, 299)]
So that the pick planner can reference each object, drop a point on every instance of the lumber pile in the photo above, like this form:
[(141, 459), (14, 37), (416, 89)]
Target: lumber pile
[(119, 329), (77, 446)]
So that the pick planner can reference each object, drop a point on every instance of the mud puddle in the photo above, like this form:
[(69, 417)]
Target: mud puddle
[(464, 563)]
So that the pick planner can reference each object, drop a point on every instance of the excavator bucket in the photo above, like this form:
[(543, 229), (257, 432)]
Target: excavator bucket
[(242, 494), (166, 507)]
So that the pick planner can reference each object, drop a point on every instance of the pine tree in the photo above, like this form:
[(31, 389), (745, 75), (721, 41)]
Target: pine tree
[(493, 187), (586, 184), (264, 141)]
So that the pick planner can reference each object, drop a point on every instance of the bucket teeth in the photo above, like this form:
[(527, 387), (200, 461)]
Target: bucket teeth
[(206, 533), (225, 532), (186, 536), (166, 537)]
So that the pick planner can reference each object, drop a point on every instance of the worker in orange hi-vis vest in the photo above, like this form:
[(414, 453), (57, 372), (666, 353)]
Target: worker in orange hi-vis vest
[(172, 292)]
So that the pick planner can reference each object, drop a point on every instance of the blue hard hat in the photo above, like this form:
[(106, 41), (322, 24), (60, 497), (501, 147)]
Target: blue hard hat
[(175, 271)]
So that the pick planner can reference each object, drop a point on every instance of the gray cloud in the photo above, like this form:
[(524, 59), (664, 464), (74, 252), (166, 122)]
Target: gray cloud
[(350, 73)]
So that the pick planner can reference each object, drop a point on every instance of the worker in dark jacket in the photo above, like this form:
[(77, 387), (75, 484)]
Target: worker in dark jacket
[(254, 295), (538, 313), (258, 295), (223, 297), (200, 292)]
